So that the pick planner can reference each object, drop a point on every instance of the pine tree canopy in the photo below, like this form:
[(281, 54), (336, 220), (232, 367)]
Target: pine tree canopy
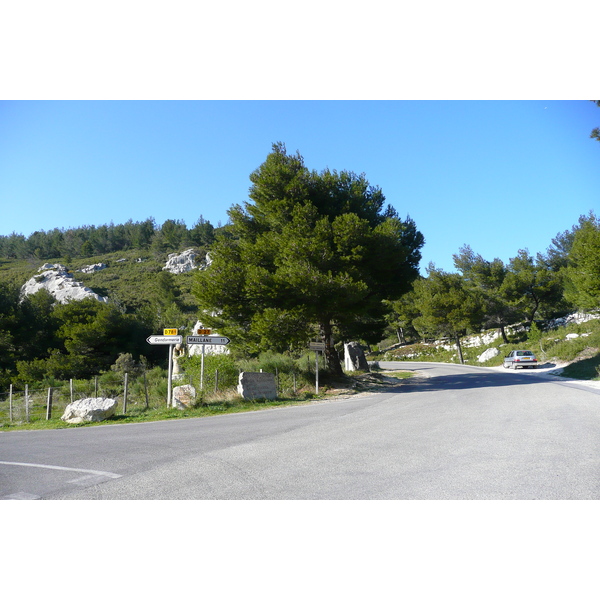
[(311, 254)]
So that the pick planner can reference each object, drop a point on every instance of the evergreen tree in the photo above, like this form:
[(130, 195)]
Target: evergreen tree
[(310, 254), (488, 278), (448, 307), (532, 288), (583, 271)]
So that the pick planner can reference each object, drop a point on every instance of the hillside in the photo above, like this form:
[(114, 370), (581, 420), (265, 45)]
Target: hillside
[(571, 349), (132, 278)]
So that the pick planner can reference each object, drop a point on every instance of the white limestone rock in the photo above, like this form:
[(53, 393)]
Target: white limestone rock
[(60, 283), (184, 396), (253, 386), (488, 354), (90, 410), (577, 318), (354, 357), (483, 339), (93, 268), (181, 263)]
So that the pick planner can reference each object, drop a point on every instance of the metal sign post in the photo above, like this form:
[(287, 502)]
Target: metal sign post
[(206, 340), (171, 339), (202, 368), (170, 378)]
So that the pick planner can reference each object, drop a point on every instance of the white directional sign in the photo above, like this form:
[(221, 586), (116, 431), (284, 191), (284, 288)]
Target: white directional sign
[(317, 346), (216, 340), (165, 339)]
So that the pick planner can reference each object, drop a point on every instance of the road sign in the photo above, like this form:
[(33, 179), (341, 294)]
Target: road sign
[(317, 346), (165, 339), (203, 331), (215, 340), (169, 331)]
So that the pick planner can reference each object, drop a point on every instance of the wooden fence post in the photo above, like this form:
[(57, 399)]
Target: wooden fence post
[(27, 402), (10, 396), (71, 388), (146, 390)]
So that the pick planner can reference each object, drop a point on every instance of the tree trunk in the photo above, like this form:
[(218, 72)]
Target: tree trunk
[(503, 332), (460, 354), (537, 305), (331, 355)]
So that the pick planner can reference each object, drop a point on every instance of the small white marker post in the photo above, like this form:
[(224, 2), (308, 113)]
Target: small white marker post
[(317, 347)]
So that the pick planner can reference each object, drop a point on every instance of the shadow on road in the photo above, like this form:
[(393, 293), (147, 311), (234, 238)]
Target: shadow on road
[(467, 381)]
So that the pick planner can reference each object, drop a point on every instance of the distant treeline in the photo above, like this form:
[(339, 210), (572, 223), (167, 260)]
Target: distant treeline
[(91, 240)]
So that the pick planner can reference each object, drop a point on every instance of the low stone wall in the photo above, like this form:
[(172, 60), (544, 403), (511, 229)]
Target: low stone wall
[(257, 385)]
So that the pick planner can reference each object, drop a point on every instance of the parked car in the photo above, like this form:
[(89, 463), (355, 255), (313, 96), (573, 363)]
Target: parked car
[(520, 358)]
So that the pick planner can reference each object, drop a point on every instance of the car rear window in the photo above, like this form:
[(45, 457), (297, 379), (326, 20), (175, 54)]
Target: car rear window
[(524, 353)]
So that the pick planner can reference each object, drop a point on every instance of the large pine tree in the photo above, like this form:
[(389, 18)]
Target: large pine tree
[(311, 254)]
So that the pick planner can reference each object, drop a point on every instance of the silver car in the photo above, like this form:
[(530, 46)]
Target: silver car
[(520, 358)]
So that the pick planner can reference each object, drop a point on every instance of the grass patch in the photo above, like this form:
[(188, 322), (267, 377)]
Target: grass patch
[(144, 415), (399, 374), (588, 368)]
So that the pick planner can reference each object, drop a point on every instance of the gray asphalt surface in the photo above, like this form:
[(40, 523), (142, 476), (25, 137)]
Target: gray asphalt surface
[(452, 432)]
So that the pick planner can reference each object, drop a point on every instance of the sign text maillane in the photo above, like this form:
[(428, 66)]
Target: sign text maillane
[(216, 340)]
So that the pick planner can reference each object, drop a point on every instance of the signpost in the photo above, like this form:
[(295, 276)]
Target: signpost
[(317, 347), (206, 340), (169, 338)]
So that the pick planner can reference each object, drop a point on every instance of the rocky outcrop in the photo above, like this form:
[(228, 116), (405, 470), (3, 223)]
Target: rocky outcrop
[(56, 279), (182, 263), (93, 268), (576, 318), (90, 410), (354, 357)]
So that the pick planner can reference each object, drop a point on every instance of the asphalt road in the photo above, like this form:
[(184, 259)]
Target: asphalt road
[(451, 432)]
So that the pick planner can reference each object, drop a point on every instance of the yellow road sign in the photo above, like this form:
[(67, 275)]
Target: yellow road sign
[(170, 331)]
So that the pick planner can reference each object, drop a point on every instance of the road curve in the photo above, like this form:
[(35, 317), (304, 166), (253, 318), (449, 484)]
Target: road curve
[(450, 432)]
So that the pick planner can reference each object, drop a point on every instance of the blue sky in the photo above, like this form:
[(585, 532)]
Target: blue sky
[(497, 175)]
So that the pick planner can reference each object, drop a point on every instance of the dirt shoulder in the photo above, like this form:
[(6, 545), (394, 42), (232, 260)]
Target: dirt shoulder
[(367, 383)]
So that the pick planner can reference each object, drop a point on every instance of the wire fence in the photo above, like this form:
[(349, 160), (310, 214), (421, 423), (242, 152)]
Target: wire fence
[(30, 403), (44, 403)]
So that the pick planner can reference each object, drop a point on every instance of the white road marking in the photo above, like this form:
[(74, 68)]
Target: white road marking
[(20, 496), (107, 474)]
